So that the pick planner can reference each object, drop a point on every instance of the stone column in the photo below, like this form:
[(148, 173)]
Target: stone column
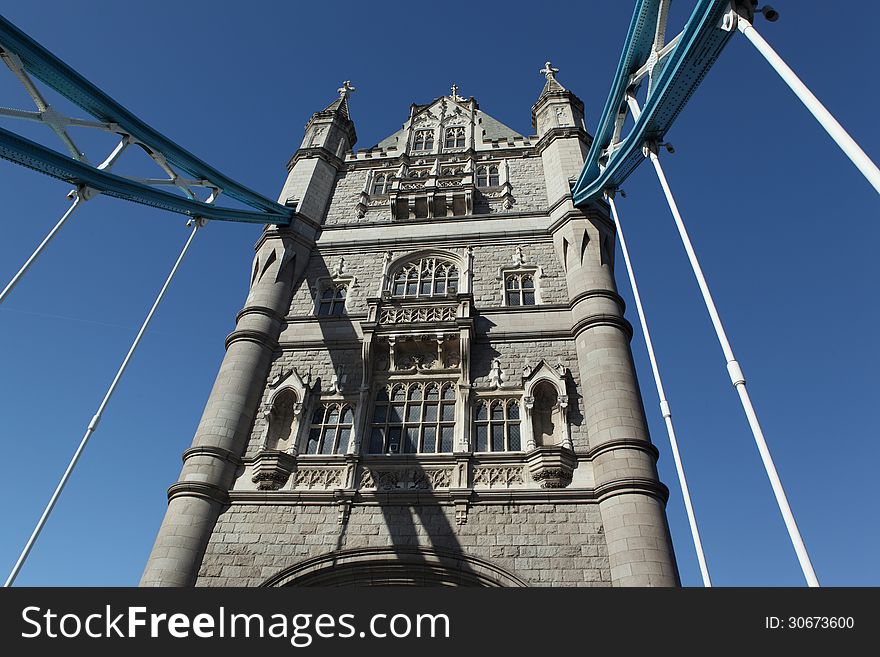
[(209, 466), (631, 498)]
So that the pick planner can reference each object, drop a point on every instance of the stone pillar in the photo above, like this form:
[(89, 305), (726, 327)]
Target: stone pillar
[(209, 466), (631, 498)]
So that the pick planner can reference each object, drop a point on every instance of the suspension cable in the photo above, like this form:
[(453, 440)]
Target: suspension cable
[(93, 424), (665, 409), (77, 196), (737, 378)]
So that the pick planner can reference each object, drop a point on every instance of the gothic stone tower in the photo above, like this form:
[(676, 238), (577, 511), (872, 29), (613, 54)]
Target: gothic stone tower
[(430, 381)]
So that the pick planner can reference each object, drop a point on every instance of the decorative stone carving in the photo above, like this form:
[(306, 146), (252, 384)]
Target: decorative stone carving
[(321, 478), (272, 468), (406, 479), (367, 480), (552, 466), (497, 477), (417, 314), (497, 376)]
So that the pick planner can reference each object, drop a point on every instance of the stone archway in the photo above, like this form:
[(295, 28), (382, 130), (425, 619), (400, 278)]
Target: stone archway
[(395, 566)]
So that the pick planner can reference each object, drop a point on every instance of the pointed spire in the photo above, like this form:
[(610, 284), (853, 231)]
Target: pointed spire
[(549, 71), (341, 104)]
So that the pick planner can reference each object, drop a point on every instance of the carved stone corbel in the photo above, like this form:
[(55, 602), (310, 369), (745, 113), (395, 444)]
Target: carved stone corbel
[(272, 469)]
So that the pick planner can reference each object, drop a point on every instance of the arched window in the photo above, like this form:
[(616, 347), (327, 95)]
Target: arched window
[(281, 419), (332, 300), (381, 184), (330, 429), (427, 277), (454, 138), (497, 426), (519, 290), (423, 140), (488, 176), (545, 415), (413, 418)]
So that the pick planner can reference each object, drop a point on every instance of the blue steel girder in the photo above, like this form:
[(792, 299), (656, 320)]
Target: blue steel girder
[(45, 66), (674, 79), (52, 163)]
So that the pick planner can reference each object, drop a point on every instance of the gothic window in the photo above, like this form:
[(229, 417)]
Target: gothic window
[(415, 418), (497, 426), (423, 140), (427, 277), (332, 300), (488, 176), (331, 429), (519, 289), (454, 138), (381, 184)]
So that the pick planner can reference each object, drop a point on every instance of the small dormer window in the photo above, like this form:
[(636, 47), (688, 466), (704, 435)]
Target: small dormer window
[(454, 138), (423, 140), (488, 176)]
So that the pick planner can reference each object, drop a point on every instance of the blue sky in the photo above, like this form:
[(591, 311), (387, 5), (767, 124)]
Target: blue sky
[(785, 226)]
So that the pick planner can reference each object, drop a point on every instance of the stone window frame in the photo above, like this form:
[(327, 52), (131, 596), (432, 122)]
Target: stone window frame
[(418, 266), (380, 183), (394, 430), (343, 432), (334, 302), (324, 283), (459, 137), (428, 140), (484, 176), (507, 401), (536, 273), (461, 258)]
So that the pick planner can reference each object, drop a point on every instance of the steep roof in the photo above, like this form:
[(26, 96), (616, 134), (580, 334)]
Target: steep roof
[(492, 129)]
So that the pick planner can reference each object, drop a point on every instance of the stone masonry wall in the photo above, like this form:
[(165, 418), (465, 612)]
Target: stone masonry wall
[(542, 544), (365, 267), (488, 288), (526, 175), (513, 356), (321, 364)]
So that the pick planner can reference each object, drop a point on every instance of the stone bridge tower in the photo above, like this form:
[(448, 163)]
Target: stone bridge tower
[(430, 381)]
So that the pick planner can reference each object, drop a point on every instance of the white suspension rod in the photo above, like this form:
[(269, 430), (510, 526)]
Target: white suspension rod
[(841, 137), (738, 380), (93, 424), (665, 409), (77, 197)]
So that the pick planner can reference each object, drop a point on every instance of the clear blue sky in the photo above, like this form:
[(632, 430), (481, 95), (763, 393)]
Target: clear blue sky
[(785, 226)]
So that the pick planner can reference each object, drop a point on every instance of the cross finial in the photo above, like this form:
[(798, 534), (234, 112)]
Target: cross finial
[(549, 71), (346, 89), (455, 95)]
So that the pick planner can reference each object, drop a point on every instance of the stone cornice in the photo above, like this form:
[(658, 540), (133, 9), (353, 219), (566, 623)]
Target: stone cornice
[(562, 133), (622, 443), (249, 335), (215, 452), (260, 310), (319, 153), (445, 496), (198, 489)]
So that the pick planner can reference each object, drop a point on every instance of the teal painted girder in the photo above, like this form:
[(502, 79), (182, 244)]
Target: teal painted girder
[(676, 77), (46, 67), (52, 163)]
